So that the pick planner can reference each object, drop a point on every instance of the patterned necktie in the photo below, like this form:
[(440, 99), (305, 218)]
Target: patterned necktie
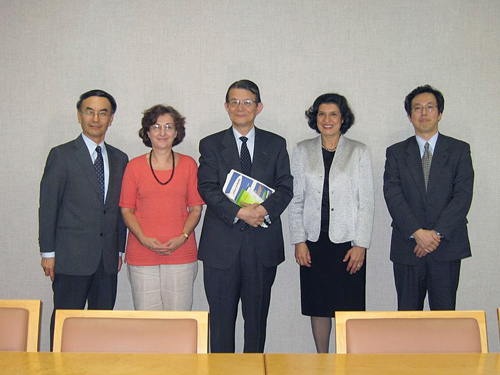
[(426, 163), (245, 160), (99, 169)]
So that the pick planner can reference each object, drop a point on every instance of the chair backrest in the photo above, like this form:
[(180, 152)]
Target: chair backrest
[(19, 325), (498, 314), (411, 332), (122, 331)]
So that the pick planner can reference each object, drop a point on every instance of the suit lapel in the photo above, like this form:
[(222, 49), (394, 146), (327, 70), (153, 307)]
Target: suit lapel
[(230, 150), (439, 158), (260, 155), (114, 177), (315, 159), (414, 163), (83, 158), (340, 159)]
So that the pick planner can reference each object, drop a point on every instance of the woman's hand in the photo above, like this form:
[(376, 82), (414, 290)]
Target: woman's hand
[(356, 258), (302, 254), (174, 243), (153, 244)]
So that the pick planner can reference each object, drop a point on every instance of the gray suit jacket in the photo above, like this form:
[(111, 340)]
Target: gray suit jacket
[(221, 238), (443, 207), (351, 193), (73, 221)]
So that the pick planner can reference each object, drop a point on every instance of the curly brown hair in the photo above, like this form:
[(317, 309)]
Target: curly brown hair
[(151, 116)]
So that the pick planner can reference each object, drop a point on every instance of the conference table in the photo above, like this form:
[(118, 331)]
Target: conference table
[(247, 364), (20, 363), (382, 364)]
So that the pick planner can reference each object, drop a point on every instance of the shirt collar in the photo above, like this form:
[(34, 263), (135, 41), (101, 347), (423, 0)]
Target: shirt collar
[(91, 145), (250, 135), (432, 143)]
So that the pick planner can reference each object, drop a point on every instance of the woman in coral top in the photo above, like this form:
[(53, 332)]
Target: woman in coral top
[(161, 207)]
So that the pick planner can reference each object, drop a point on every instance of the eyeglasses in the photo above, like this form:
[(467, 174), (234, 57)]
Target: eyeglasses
[(419, 109), (233, 103), (90, 113), (158, 127)]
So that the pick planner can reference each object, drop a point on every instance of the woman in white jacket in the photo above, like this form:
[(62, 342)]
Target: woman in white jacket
[(331, 216)]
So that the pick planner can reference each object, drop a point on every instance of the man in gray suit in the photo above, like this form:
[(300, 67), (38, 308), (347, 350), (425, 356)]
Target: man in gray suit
[(428, 183), (81, 231)]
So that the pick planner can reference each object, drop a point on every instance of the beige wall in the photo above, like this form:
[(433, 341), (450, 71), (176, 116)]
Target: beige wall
[(187, 53)]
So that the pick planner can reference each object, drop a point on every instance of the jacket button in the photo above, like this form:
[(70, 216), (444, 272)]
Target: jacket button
[(102, 234)]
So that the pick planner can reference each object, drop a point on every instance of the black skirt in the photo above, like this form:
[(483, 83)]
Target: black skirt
[(326, 286)]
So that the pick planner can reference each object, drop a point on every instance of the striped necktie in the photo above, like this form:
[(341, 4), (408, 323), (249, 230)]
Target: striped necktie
[(426, 163)]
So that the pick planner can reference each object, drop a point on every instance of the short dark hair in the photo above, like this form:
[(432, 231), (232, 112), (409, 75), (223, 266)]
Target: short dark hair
[(246, 85), (421, 90), (340, 101), (151, 116), (100, 93)]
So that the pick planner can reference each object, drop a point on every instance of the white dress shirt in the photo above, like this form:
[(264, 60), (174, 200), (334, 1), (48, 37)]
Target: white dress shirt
[(250, 145), (91, 145), (421, 144), (250, 141)]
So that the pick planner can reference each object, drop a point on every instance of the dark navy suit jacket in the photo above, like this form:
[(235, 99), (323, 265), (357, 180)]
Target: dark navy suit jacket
[(221, 237), (442, 208)]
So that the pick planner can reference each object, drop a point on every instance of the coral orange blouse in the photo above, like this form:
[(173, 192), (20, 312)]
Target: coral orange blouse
[(160, 209)]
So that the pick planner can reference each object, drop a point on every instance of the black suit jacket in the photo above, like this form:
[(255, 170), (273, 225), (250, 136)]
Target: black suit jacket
[(221, 237), (442, 208), (73, 221)]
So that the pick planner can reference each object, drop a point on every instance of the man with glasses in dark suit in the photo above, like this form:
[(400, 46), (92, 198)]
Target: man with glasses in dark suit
[(81, 231), (428, 184), (240, 257)]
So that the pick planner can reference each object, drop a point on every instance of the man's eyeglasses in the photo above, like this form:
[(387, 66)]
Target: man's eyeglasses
[(158, 127), (233, 103), (419, 108), (90, 113)]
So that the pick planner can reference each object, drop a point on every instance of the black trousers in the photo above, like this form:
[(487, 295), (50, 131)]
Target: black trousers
[(246, 279), (439, 279), (73, 292)]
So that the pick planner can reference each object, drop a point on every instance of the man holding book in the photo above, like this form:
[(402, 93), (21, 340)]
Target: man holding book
[(239, 254)]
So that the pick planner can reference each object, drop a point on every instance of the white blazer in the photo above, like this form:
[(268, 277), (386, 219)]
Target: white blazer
[(351, 193)]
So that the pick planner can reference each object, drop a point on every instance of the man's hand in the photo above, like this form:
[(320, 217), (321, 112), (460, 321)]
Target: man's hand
[(427, 240), (48, 267), (252, 214), (261, 210), (120, 262), (419, 252)]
